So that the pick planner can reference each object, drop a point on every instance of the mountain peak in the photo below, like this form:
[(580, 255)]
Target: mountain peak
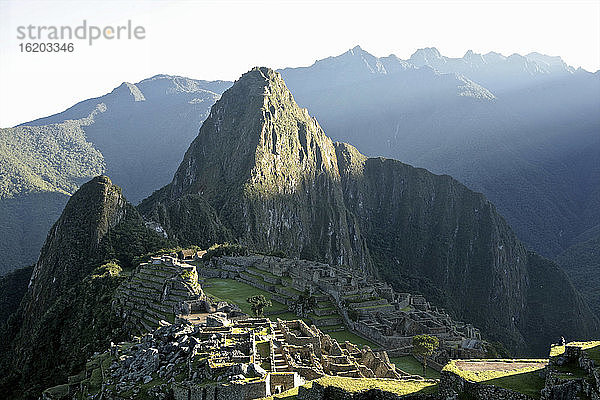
[(427, 54), (259, 74), (356, 50), (257, 144), (256, 117), (130, 89), (76, 239)]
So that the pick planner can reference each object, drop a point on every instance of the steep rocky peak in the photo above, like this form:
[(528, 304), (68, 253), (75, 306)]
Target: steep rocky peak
[(75, 239), (356, 50), (426, 56), (255, 134)]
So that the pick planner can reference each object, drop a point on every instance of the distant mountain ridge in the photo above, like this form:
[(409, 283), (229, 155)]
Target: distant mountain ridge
[(154, 106), (137, 133), (539, 134), (493, 70)]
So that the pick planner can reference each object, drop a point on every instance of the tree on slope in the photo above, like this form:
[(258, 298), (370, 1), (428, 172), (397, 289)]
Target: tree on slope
[(424, 346)]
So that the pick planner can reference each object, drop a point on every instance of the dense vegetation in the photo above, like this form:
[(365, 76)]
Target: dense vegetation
[(53, 158), (67, 313), (225, 249), (39, 168)]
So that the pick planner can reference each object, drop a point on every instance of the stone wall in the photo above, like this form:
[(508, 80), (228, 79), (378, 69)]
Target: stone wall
[(386, 317), (282, 381), (231, 391), (562, 383)]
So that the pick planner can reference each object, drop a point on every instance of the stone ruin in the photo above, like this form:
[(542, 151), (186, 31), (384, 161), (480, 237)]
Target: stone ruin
[(258, 357), (167, 288), (348, 297), (241, 359)]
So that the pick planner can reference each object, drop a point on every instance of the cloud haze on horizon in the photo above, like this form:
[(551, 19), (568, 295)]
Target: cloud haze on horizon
[(221, 40)]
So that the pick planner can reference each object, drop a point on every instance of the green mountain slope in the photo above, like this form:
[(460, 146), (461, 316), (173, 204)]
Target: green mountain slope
[(66, 313), (39, 168), (137, 134)]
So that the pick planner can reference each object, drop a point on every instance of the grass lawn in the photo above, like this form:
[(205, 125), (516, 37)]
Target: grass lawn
[(397, 387), (412, 366), (354, 385), (237, 293), (518, 375)]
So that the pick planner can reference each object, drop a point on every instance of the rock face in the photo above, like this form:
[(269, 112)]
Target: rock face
[(13, 287), (66, 313), (261, 170), (263, 173)]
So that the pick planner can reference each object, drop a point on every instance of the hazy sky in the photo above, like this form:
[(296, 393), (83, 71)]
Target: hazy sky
[(223, 39)]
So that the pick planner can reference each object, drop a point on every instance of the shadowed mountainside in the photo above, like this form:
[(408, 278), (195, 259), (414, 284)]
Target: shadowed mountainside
[(263, 173)]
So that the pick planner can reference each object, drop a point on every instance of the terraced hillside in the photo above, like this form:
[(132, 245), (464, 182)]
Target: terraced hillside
[(156, 291)]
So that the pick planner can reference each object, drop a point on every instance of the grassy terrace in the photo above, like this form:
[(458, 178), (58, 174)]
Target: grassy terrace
[(594, 353), (237, 292), (572, 370), (355, 385), (519, 375), (592, 349), (412, 366), (397, 387)]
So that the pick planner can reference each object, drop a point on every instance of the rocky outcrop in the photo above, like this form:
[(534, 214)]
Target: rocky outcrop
[(262, 172)]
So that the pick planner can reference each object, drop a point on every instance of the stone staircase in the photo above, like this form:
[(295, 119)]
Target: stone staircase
[(279, 364)]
